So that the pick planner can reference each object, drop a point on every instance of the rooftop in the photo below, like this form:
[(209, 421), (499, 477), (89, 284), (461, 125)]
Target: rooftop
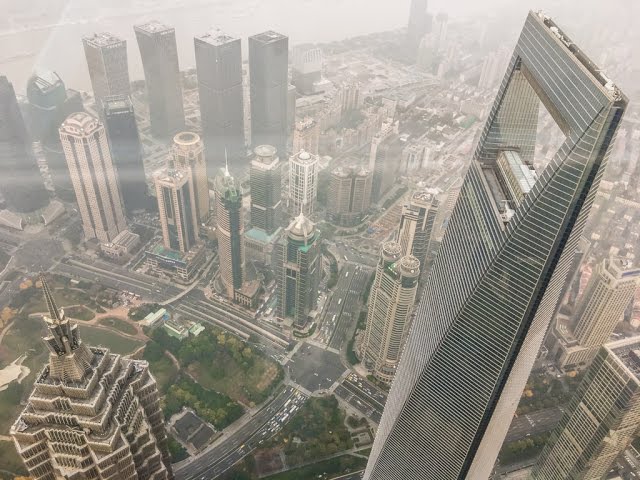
[(153, 27), (103, 39), (268, 37), (216, 37), (80, 123), (627, 352)]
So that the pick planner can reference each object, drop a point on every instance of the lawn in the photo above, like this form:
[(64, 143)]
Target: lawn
[(161, 366), (114, 341), (10, 461), (325, 469), (64, 297), (118, 324), (79, 312)]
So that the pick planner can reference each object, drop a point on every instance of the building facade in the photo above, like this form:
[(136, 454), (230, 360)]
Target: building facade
[(611, 288), (303, 183), (265, 176), (298, 265), (230, 231), (94, 177), (159, 53), (494, 285), (306, 136), (219, 67), (188, 154), (269, 83), (416, 226), (419, 22), (126, 151), (389, 312), (601, 419), (108, 65), (22, 188), (92, 413), (177, 207), (307, 71), (349, 196)]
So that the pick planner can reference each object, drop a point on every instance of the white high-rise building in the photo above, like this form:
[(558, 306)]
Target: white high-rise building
[(303, 182), (94, 177)]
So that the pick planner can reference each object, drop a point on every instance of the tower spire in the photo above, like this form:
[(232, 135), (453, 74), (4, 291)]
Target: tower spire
[(54, 312)]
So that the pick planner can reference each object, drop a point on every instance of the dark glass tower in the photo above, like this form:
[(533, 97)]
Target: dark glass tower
[(219, 66), (126, 151), (20, 179), (419, 22), (494, 285), (268, 76), (159, 52), (108, 65)]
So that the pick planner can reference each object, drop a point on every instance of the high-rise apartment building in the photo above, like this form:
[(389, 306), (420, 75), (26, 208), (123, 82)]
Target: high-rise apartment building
[(108, 65), (611, 288), (298, 268), (265, 177), (303, 183), (600, 421), (219, 67), (188, 154), (416, 225), (126, 151), (177, 207), (230, 231), (92, 413), (389, 312), (94, 176), (20, 181), (349, 195), (494, 285), (269, 83), (159, 53), (306, 136)]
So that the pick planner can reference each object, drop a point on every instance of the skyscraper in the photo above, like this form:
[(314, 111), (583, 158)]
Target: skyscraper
[(611, 287), (600, 421), (219, 66), (416, 225), (188, 154), (388, 315), (303, 183), (92, 413), (108, 65), (494, 284), (306, 136), (20, 180), (126, 150), (177, 207), (384, 161), (159, 52), (265, 176), (93, 176), (230, 230), (298, 268), (269, 82), (349, 195), (419, 22), (307, 70)]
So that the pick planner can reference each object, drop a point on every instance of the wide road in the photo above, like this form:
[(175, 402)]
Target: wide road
[(534, 423), (336, 304), (217, 460), (351, 307)]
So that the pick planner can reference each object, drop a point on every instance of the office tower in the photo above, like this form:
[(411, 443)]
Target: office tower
[(600, 421), (384, 161), (126, 151), (416, 226), (292, 95), (230, 230), (440, 26), (306, 136), (93, 175), (492, 68), (419, 22), (265, 176), (269, 82), (159, 52), (298, 265), (50, 103), (494, 285), (611, 287), (349, 195), (20, 180), (350, 97), (303, 182), (219, 66), (92, 413), (188, 154), (108, 65), (388, 316), (177, 207), (307, 71)]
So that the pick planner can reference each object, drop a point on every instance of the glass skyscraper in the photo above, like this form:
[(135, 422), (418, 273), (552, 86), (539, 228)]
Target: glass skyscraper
[(494, 285)]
